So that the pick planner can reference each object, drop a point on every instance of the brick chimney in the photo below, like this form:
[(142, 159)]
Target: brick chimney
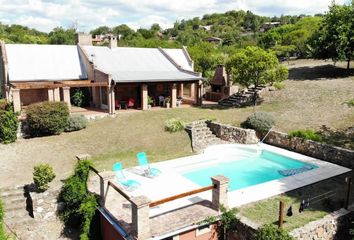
[(84, 39), (113, 42)]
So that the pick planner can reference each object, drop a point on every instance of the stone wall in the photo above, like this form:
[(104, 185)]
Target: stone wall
[(45, 205), (325, 228), (326, 152), (233, 134)]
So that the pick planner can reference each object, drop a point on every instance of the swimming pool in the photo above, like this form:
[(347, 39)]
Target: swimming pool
[(246, 167)]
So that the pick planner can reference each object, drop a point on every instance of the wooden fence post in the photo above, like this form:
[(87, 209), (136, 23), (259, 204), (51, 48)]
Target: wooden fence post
[(348, 180), (281, 214)]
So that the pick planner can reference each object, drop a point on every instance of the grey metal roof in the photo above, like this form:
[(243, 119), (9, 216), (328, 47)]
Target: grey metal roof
[(31, 62), (126, 64)]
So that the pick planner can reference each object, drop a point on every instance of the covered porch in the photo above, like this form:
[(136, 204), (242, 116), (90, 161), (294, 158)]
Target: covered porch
[(120, 97)]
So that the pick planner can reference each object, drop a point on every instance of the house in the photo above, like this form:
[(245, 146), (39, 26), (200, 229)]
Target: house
[(32, 73), (215, 40)]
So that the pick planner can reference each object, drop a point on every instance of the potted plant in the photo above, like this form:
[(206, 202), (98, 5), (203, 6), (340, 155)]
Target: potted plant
[(167, 102), (150, 102)]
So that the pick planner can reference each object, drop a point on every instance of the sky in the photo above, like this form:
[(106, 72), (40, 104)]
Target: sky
[(44, 15)]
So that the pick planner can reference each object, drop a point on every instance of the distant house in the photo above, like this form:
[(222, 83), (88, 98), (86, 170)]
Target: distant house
[(269, 25), (32, 73), (206, 28), (215, 40)]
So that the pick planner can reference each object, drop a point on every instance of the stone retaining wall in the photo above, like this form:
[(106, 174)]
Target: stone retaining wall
[(326, 152), (233, 134), (45, 205), (325, 228)]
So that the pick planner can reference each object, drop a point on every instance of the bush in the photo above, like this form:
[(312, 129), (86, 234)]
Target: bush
[(80, 205), (270, 232), (47, 118), (8, 125), (279, 85), (2, 229), (307, 134), (42, 175), (75, 123), (78, 97), (259, 121), (174, 125), (4, 104)]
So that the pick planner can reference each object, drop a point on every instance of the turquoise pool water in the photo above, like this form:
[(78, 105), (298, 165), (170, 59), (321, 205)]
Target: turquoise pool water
[(247, 170)]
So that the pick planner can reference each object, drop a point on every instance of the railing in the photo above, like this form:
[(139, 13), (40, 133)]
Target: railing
[(115, 187), (101, 184), (182, 195)]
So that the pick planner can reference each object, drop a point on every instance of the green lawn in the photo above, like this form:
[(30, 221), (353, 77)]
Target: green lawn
[(324, 196)]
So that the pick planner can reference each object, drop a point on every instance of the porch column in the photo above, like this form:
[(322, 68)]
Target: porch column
[(140, 218), (50, 94), (144, 97), (199, 93), (180, 90), (111, 99), (56, 94), (192, 90), (174, 95), (16, 99), (66, 96), (96, 96)]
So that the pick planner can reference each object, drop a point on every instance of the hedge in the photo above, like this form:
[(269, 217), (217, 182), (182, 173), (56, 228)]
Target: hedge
[(8, 123)]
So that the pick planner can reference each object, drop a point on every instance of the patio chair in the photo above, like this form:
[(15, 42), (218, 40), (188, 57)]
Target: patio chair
[(145, 167), (127, 184)]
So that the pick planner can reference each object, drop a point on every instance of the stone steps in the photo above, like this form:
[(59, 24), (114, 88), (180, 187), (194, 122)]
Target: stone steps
[(241, 99)]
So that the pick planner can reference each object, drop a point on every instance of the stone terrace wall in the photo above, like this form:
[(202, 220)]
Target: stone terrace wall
[(323, 229), (326, 152), (233, 134)]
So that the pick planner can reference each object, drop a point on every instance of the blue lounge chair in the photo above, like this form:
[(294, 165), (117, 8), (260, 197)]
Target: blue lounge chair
[(144, 164), (128, 184)]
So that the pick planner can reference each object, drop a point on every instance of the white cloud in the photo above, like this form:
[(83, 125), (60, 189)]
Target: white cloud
[(47, 14)]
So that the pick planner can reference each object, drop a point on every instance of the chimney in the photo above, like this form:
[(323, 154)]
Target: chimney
[(84, 39), (113, 42)]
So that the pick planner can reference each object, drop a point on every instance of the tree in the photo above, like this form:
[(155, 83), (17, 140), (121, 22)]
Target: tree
[(100, 30), (60, 35), (123, 31), (254, 66), (335, 37)]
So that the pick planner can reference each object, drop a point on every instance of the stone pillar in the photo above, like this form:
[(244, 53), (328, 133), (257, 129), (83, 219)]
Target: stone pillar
[(174, 95), (141, 218), (144, 97), (192, 90), (199, 93), (56, 94), (219, 194), (66, 96), (111, 99), (180, 90), (50, 95), (96, 96), (16, 99)]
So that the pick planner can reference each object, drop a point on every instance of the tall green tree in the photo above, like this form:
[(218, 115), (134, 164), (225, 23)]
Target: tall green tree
[(255, 66), (335, 37), (60, 36)]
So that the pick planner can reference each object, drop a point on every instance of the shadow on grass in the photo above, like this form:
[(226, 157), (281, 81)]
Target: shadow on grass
[(319, 72)]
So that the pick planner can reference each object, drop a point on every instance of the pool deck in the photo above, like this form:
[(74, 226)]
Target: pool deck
[(171, 182)]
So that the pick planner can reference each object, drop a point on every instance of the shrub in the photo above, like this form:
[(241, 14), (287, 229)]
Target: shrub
[(279, 85), (270, 232), (42, 175), (2, 229), (78, 97), (174, 125), (4, 104), (259, 121), (8, 126), (75, 123), (80, 205), (47, 118), (307, 134)]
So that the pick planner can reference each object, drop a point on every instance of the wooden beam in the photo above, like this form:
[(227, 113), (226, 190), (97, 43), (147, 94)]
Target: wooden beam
[(182, 195), (58, 85)]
